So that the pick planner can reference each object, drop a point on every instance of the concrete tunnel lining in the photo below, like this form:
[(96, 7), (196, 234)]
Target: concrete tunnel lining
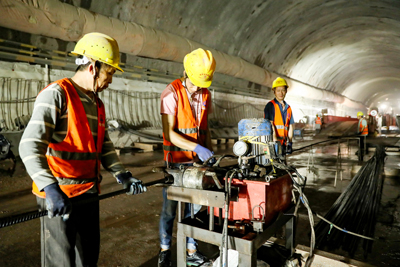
[(288, 38), (69, 30)]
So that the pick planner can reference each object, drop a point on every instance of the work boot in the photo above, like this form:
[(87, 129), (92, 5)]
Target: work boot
[(164, 258), (196, 259)]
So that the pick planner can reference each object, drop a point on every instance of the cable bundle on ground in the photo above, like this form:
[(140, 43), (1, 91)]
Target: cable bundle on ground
[(355, 210)]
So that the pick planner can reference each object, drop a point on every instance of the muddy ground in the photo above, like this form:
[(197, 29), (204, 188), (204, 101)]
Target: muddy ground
[(129, 224)]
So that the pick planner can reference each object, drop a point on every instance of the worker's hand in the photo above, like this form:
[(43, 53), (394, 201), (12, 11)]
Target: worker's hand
[(57, 202), (212, 161), (276, 147), (132, 185), (289, 148), (202, 152)]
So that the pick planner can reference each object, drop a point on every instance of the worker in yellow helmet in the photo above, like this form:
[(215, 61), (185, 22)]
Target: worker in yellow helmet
[(185, 106), (63, 147), (280, 114), (363, 132)]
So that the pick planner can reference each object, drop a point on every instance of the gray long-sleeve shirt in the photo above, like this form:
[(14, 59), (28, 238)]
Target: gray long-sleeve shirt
[(49, 124)]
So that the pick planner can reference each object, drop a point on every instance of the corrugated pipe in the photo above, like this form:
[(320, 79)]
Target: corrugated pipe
[(66, 22)]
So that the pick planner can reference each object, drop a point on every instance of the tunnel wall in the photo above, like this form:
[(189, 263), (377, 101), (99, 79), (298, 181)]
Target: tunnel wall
[(136, 103), (69, 23)]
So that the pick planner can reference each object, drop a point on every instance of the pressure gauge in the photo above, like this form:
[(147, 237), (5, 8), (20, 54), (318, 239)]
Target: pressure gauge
[(241, 148)]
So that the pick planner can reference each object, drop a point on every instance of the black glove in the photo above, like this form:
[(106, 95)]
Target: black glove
[(57, 202), (289, 148), (212, 161), (134, 185), (276, 147)]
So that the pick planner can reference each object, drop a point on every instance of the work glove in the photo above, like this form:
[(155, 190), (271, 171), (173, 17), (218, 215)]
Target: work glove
[(289, 148), (132, 185), (202, 152), (57, 202), (212, 161), (276, 147)]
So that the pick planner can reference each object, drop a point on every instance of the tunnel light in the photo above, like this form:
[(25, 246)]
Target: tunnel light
[(383, 106)]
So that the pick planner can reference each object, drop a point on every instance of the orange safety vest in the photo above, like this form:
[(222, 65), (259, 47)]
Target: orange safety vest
[(365, 131), (185, 125), (75, 161), (282, 129), (318, 120)]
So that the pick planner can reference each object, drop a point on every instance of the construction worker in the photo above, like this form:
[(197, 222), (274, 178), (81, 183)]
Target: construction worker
[(318, 124), (363, 132), (379, 123), (62, 148), (185, 105), (280, 114)]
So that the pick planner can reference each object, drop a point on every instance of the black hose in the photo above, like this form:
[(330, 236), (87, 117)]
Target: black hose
[(27, 216), (333, 139)]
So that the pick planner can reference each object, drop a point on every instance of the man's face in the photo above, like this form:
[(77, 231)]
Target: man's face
[(280, 93), (105, 77), (191, 87)]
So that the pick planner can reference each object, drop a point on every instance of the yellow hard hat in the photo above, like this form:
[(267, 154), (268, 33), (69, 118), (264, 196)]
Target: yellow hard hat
[(360, 114), (200, 66), (98, 46), (279, 82)]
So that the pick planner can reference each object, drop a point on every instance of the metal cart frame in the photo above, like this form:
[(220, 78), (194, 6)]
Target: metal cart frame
[(246, 246)]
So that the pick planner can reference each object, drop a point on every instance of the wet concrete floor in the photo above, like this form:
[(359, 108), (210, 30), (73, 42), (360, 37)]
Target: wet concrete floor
[(129, 224)]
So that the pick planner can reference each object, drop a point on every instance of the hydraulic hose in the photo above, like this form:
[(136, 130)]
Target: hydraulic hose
[(23, 217), (325, 141)]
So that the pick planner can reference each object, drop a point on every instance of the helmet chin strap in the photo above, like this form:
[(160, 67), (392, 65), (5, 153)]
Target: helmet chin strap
[(95, 76)]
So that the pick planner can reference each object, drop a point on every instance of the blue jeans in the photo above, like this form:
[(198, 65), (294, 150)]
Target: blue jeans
[(167, 217)]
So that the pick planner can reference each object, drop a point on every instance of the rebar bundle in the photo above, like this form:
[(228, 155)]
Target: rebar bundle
[(355, 210)]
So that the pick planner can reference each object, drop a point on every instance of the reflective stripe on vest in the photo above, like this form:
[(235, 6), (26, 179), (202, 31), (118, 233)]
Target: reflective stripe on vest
[(186, 131), (190, 131), (365, 131), (281, 128), (174, 148), (185, 125), (75, 162)]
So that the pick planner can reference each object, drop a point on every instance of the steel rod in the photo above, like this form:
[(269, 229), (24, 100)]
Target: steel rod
[(27, 216)]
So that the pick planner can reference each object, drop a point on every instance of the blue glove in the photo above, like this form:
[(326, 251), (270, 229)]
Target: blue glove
[(289, 148), (134, 185), (57, 202), (202, 152)]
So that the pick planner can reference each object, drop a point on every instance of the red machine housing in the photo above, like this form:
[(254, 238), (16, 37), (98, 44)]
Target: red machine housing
[(274, 197)]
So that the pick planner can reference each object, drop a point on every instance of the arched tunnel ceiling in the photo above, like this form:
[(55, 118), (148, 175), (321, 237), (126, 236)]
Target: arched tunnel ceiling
[(348, 47)]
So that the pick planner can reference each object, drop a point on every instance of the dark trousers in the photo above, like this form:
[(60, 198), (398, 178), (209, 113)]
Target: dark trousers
[(75, 242)]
